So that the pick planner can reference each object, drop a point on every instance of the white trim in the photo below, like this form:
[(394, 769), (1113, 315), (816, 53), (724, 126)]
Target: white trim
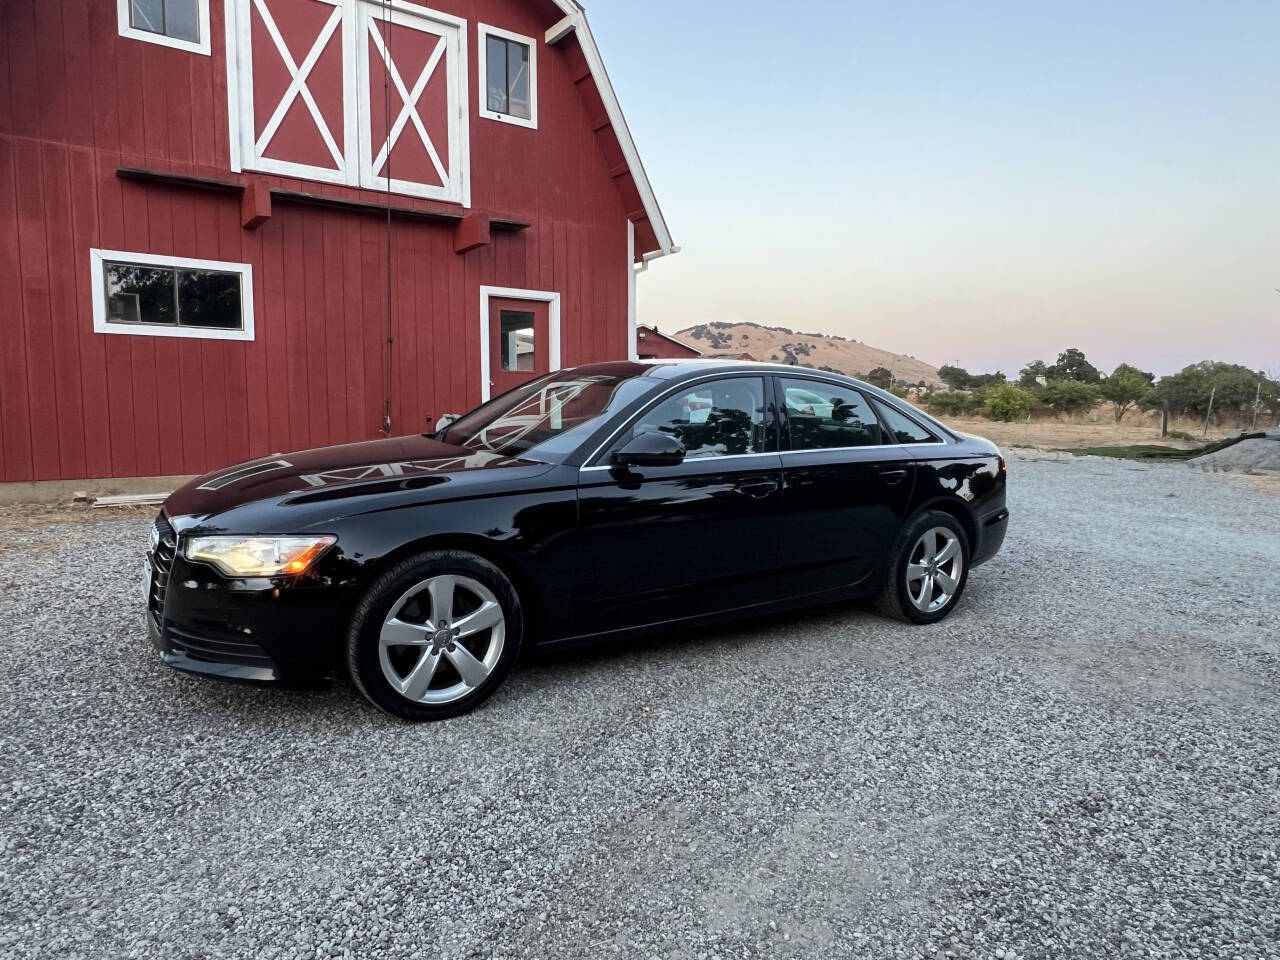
[(483, 32), (452, 50), (233, 84), (613, 110), (201, 46), (97, 260), (633, 329), (510, 293)]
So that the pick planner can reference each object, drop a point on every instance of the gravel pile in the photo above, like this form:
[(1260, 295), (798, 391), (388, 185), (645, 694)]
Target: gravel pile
[(1083, 762), (1247, 456)]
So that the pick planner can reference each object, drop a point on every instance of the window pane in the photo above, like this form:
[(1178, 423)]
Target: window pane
[(139, 294), (717, 419), (147, 15), (207, 298), (182, 19), (904, 429), (823, 416), (517, 341), (518, 79), (496, 67)]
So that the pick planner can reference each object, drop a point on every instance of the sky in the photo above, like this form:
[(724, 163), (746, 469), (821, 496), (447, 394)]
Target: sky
[(975, 183)]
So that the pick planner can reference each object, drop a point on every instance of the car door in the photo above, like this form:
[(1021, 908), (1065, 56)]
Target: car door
[(847, 485), (662, 543)]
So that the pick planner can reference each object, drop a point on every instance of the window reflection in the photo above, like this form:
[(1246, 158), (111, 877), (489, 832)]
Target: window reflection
[(718, 419)]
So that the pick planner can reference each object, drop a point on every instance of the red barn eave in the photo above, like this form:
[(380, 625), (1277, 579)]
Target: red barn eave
[(573, 35)]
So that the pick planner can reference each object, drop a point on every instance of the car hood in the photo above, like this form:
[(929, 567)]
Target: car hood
[(343, 472)]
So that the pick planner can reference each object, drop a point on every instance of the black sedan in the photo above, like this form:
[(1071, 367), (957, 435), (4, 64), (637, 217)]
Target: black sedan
[(594, 502)]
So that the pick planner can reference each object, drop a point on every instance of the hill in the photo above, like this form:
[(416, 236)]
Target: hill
[(823, 351)]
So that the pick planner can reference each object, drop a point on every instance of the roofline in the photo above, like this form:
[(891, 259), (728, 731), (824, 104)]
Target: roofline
[(575, 21), (666, 336)]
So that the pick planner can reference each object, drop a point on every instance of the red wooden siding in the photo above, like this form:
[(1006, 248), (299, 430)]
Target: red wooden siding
[(653, 345), (77, 102)]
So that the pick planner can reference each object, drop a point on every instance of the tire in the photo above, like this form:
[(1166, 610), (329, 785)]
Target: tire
[(903, 594), (398, 639)]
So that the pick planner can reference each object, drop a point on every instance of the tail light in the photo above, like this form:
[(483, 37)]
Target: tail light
[(1004, 468)]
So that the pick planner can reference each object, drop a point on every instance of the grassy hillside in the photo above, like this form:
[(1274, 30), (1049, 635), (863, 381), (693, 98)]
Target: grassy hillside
[(822, 351)]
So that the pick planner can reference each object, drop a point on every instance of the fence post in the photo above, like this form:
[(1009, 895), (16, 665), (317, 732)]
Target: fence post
[(1164, 419), (1205, 435), (1257, 401)]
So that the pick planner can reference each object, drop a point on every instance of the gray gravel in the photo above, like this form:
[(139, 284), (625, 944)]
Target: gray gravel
[(1083, 762)]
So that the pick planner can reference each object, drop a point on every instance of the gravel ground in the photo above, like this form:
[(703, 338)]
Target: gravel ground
[(1084, 761)]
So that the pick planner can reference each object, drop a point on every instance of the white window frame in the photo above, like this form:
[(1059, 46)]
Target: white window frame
[(127, 29), (483, 32), (98, 259), (548, 297), (457, 189)]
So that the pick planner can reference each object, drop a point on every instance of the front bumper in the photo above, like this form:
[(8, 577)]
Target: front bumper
[(277, 631)]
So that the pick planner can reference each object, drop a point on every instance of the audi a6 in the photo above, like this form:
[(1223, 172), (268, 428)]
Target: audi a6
[(596, 502)]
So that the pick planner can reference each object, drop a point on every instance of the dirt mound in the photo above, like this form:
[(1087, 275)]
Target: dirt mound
[(1248, 456)]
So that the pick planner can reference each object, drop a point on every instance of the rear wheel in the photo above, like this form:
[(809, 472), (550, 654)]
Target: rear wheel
[(928, 569), (435, 635)]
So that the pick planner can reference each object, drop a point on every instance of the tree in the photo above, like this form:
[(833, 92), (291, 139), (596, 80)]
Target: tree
[(979, 380), (1007, 403), (1070, 396), (957, 378), (1072, 365), (1125, 387), (1232, 386), (1027, 376), (880, 377)]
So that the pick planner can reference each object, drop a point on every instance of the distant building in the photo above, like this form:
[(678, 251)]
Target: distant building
[(652, 344)]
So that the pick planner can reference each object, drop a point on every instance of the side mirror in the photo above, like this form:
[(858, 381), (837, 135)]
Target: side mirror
[(446, 421), (650, 450)]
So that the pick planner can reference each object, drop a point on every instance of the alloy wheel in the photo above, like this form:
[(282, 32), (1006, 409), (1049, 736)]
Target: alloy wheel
[(442, 639), (934, 570)]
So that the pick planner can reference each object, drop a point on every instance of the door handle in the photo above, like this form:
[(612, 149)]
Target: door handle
[(893, 477), (758, 489)]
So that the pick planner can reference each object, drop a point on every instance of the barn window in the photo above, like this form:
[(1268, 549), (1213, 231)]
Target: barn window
[(183, 24), (144, 294), (508, 77)]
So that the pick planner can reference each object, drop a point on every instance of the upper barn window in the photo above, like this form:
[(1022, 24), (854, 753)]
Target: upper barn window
[(508, 77), (183, 24), (139, 293)]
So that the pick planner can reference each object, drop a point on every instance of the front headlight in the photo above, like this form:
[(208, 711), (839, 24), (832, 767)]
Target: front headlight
[(258, 556)]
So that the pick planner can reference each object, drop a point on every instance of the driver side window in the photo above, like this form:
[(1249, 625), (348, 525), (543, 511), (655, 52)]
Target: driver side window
[(722, 418)]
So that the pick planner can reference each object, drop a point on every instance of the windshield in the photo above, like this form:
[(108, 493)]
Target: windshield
[(548, 418)]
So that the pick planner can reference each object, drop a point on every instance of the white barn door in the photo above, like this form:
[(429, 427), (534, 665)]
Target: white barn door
[(412, 92), (294, 64)]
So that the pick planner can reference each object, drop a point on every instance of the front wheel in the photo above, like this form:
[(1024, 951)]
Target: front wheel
[(928, 569), (435, 635)]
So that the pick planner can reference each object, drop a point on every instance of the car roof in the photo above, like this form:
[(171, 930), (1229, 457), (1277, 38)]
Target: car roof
[(673, 370)]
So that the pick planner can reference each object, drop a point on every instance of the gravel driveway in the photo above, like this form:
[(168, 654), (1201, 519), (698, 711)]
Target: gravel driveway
[(1084, 761)]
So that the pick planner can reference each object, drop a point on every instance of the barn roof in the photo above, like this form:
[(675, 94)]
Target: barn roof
[(653, 238)]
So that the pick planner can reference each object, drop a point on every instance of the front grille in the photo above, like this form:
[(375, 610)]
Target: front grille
[(217, 645), (161, 563)]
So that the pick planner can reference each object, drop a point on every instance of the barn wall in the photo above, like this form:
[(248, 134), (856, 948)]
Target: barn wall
[(78, 101)]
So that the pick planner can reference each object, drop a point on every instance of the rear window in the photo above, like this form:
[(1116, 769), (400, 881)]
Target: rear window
[(902, 427)]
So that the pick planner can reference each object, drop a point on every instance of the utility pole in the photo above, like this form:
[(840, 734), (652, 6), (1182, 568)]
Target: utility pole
[(1212, 392)]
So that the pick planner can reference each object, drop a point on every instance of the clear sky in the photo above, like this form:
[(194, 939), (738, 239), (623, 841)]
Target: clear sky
[(976, 182)]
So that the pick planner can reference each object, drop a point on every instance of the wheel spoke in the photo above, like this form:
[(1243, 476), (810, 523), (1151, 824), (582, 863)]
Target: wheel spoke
[(441, 591), (419, 678), (947, 583), (488, 615), (472, 671), (928, 546), (397, 633), (951, 549), (915, 571), (925, 597)]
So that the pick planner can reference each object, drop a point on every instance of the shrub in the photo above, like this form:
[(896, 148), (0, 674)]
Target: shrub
[(1070, 396), (1006, 403)]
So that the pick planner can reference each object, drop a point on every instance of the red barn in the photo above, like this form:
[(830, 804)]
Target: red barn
[(652, 344), (232, 227)]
